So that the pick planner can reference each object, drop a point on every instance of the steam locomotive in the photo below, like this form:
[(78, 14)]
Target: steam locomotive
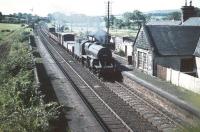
[(90, 51)]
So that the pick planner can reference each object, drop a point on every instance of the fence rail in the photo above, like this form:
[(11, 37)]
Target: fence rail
[(179, 79)]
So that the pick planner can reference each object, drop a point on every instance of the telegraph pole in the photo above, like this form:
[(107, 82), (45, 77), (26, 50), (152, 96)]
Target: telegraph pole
[(108, 21), (108, 16)]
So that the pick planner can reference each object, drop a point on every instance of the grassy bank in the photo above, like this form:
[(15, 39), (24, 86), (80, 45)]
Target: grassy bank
[(4, 26), (7, 29), (123, 32), (22, 108)]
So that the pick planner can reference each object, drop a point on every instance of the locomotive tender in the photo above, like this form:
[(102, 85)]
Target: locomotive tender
[(91, 53)]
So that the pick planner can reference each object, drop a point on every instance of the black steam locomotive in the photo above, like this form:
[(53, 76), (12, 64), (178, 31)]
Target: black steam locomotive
[(90, 51), (95, 55)]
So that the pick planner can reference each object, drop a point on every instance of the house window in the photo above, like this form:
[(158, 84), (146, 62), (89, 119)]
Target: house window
[(145, 61), (142, 60), (187, 65), (139, 59)]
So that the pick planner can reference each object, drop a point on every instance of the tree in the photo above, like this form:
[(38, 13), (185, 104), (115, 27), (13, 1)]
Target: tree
[(198, 12), (174, 16), (129, 20), (19, 15), (112, 20), (50, 16), (134, 18), (127, 17), (139, 18), (1, 16), (118, 23)]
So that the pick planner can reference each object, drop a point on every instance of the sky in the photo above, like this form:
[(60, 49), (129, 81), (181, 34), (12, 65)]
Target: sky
[(88, 7)]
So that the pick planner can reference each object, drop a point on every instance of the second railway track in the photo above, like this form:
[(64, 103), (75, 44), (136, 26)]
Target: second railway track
[(117, 108), (102, 112)]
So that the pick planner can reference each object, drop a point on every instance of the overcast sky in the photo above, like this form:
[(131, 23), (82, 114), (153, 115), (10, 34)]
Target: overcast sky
[(88, 7)]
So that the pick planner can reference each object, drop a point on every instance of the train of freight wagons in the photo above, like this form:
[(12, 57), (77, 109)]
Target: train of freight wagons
[(91, 51)]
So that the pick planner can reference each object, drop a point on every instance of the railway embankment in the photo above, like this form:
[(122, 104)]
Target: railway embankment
[(44, 84), (77, 114), (22, 107)]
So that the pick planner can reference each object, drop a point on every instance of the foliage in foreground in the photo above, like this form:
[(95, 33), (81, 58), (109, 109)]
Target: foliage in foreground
[(21, 106), (121, 53)]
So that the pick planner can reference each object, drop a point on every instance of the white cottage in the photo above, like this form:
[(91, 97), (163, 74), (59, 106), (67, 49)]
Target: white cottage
[(170, 46), (125, 44), (197, 58)]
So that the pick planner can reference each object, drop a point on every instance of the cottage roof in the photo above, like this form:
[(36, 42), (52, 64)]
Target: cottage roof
[(173, 40), (129, 39), (193, 21), (164, 22), (197, 50)]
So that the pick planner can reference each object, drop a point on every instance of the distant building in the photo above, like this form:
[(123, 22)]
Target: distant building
[(188, 12), (168, 43), (124, 44), (193, 21), (164, 22), (169, 46), (197, 58)]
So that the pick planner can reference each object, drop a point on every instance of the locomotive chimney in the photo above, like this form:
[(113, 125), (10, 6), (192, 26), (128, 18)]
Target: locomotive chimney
[(188, 11)]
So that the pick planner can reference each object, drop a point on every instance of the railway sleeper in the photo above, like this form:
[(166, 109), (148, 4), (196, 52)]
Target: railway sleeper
[(158, 122), (104, 112), (119, 130), (117, 92), (141, 109), (127, 99), (134, 103), (133, 99), (123, 94), (99, 108), (167, 125), (115, 126), (136, 106), (111, 121), (148, 114)]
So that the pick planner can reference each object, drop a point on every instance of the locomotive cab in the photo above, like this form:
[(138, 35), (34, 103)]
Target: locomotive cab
[(97, 57)]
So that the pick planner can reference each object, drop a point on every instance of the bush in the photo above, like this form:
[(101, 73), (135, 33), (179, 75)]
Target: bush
[(6, 30), (24, 36), (22, 108), (121, 53)]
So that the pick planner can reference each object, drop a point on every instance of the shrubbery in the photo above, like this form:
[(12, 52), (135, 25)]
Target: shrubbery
[(6, 30), (21, 105), (121, 53)]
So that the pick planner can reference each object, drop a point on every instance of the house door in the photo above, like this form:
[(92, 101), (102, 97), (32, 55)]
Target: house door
[(142, 61), (125, 50)]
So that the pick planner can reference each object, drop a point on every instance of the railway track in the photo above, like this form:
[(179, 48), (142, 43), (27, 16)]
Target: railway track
[(116, 107), (158, 118), (102, 112)]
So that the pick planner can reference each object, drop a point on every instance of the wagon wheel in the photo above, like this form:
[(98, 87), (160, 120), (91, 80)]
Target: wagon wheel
[(82, 61), (99, 74)]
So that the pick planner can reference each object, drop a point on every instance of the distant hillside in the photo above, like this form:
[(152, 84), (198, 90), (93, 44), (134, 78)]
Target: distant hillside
[(76, 18), (161, 12)]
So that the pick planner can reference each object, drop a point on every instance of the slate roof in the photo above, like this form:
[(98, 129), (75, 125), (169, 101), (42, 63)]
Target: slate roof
[(193, 21), (167, 22), (197, 50), (173, 40), (130, 39)]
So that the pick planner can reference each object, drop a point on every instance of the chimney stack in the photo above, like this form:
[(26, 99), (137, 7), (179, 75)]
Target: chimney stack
[(188, 11)]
